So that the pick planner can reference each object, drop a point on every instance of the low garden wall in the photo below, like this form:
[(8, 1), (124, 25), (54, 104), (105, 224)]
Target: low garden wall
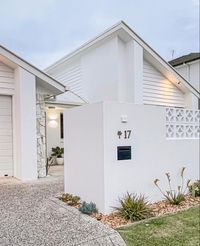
[(112, 148)]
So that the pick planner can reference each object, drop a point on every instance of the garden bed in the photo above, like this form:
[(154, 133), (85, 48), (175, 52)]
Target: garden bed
[(115, 220)]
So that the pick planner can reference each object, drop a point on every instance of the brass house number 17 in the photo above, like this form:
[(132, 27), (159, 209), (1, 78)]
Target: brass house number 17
[(125, 134)]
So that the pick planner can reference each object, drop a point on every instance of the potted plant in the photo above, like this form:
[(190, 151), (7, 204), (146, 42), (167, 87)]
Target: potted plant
[(58, 152)]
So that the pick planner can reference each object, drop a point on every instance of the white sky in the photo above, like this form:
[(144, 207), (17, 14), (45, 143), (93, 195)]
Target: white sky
[(42, 31)]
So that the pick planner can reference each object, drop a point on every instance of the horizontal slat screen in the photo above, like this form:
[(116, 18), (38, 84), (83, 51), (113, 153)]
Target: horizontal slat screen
[(157, 90), (71, 76), (6, 77)]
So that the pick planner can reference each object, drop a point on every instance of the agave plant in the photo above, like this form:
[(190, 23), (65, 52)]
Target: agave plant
[(134, 207)]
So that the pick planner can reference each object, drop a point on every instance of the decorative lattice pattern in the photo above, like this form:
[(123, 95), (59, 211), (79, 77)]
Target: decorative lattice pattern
[(182, 123)]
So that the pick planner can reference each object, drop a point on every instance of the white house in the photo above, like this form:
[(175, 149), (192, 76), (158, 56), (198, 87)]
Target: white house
[(141, 121), (23, 91), (189, 67), (117, 65)]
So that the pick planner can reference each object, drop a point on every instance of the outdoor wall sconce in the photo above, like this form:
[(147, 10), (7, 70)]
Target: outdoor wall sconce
[(124, 118), (53, 123)]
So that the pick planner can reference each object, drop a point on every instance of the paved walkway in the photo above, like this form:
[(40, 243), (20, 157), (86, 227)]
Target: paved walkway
[(31, 215)]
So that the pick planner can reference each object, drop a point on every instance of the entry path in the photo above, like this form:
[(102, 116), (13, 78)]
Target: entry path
[(31, 215)]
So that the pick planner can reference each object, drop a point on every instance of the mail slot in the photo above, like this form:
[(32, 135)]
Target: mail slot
[(123, 152)]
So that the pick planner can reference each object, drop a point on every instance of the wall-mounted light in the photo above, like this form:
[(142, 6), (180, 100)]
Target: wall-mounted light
[(53, 123), (124, 118)]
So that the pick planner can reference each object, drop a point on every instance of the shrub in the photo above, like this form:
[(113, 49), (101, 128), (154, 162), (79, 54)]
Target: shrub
[(57, 152), (70, 199), (88, 208), (194, 188), (174, 197), (134, 207)]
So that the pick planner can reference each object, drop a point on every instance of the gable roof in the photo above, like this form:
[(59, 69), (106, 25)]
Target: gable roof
[(125, 32), (185, 59), (46, 79)]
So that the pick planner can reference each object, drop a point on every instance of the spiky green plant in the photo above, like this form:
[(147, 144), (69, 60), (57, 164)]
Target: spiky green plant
[(134, 207)]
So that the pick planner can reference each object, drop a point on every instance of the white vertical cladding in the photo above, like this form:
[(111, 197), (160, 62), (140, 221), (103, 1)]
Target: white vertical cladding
[(158, 90), (25, 141)]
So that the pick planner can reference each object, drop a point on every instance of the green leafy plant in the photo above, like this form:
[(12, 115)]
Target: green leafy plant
[(194, 188), (57, 152), (88, 208), (174, 197), (70, 199), (134, 207)]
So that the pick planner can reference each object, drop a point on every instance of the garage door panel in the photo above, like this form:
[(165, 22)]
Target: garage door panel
[(5, 99), (5, 152), (6, 172), (6, 125), (6, 146), (6, 159), (5, 132), (5, 111), (5, 118), (6, 138)]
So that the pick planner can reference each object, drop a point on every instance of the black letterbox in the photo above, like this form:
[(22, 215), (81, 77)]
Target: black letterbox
[(123, 152)]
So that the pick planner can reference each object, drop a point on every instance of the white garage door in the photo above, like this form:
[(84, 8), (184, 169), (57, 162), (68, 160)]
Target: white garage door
[(6, 139)]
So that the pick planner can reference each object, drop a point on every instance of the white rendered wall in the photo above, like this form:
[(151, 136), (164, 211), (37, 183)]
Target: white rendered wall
[(99, 71), (53, 129), (84, 157), (25, 138), (91, 152)]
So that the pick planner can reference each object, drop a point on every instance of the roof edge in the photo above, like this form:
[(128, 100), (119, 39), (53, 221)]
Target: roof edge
[(33, 69), (122, 25)]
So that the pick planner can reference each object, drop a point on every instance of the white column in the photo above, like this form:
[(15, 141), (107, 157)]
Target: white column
[(134, 72), (25, 142)]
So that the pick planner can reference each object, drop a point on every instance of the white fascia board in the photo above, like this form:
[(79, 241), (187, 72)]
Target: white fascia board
[(85, 46), (13, 58), (187, 63), (63, 103)]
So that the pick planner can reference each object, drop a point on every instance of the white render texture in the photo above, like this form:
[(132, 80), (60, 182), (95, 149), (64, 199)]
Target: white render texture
[(53, 132), (91, 166), (41, 136), (24, 127)]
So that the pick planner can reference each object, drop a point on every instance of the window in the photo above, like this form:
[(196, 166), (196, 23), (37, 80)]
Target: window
[(61, 126)]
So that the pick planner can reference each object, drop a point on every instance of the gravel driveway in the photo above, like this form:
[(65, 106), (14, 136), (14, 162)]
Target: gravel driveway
[(30, 215)]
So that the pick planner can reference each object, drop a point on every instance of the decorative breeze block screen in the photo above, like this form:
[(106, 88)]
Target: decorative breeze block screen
[(182, 123)]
